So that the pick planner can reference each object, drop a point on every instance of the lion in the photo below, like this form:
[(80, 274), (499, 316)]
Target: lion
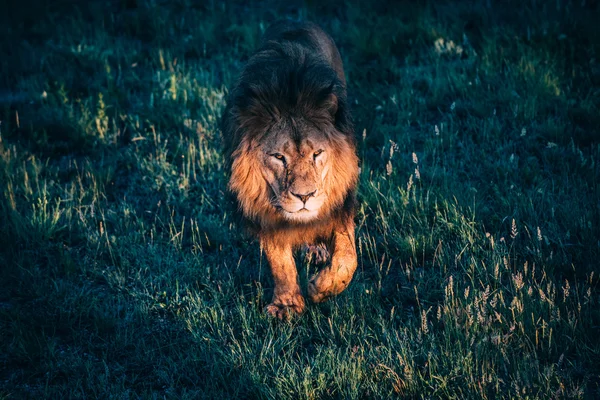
[(290, 153)]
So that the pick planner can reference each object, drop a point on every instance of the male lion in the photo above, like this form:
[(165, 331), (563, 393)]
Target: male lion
[(291, 155)]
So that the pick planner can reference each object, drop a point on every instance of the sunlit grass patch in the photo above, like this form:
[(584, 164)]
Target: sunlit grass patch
[(124, 273)]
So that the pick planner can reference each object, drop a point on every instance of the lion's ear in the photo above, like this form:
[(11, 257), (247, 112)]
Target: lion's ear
[(331, 104)]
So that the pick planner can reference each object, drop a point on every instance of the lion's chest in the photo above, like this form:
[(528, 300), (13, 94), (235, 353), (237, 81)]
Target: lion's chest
[(298, 235)]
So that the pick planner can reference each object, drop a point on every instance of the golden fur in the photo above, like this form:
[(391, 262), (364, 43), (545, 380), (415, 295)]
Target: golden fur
[(291, 156)]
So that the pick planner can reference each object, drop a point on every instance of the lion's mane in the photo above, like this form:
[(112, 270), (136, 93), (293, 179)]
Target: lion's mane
[(285, 79)]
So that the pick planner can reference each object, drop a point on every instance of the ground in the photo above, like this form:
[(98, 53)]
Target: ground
[(124, 274)]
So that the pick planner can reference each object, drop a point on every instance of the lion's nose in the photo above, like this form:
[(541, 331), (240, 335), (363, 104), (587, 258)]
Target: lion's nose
[(304, 197)]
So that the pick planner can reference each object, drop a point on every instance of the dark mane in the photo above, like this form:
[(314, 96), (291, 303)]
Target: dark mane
[(285, 78)]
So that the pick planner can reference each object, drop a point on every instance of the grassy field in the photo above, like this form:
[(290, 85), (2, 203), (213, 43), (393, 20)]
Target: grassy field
[(123, 274)]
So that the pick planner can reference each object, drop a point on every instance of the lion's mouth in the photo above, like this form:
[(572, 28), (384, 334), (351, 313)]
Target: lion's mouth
[(303, 209), (303, 214), (300, 211)]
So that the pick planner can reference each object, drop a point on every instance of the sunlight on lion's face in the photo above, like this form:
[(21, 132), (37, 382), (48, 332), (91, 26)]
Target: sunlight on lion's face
[(296, 160)]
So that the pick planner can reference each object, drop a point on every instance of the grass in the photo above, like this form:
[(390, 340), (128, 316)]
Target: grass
[(124, 275)]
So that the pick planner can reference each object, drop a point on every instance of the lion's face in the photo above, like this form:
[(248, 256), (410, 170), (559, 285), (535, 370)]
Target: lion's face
[(295, 163), (294, 166), (298, 170)]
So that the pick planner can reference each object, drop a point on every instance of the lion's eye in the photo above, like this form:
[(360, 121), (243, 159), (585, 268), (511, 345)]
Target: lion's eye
[(317, 153), (278, 156)]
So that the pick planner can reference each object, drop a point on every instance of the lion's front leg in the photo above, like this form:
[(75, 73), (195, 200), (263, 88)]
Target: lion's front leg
[(334, 279), (287, 297)]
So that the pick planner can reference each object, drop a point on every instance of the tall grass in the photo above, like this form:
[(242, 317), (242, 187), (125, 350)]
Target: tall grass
[(125, 275)]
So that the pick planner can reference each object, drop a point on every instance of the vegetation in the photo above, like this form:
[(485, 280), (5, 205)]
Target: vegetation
[(124, 275)]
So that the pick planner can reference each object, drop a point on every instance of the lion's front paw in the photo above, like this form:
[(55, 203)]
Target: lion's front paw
[(286, 305), (317, 254), (317, 293), (326, 284)]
